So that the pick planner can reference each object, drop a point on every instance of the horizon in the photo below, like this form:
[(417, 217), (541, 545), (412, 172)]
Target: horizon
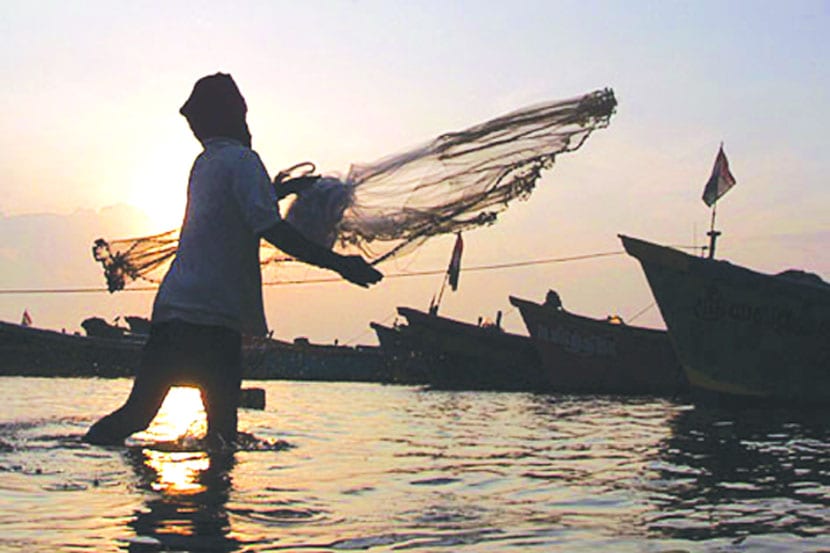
[(95, 127)]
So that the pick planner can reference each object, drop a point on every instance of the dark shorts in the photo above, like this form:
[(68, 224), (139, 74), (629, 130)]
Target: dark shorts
[(179, 353), (190, 354)]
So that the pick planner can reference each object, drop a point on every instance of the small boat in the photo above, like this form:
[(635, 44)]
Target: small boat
[(450, 354), (600, 356), (738, 332), (111, 351), (272, 359), (30, 351)]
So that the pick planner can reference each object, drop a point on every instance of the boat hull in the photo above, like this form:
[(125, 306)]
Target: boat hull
[(277, 360), (738, 332), (28, 351), (450, 354), (585, 355), (407, 365)]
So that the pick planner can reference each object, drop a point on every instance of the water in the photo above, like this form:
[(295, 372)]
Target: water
[(363, 467)]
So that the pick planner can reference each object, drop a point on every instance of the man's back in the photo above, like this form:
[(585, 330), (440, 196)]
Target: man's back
[(215, 278)]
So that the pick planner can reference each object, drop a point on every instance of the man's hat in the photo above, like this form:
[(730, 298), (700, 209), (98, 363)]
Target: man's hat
[(212, 94)]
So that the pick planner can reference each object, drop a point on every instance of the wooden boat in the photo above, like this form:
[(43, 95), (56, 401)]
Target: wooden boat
[(406, 363), (738, 332), (271, 359), (600, 356), (29, 351), (110, 351), (450, 354)]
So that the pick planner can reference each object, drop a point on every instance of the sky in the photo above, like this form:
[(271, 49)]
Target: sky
[(92, 144)]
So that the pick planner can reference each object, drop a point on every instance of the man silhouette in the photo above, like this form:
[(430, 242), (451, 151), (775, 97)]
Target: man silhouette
[(212, 293)]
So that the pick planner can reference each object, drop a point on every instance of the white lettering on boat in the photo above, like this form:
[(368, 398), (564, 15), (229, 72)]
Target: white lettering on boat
[(580, 343)]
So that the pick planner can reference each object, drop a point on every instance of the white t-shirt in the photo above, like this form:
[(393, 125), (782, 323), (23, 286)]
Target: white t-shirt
[(215, 278)]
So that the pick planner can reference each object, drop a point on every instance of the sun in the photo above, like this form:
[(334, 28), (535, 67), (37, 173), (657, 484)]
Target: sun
[(158, 185), (164, 208)]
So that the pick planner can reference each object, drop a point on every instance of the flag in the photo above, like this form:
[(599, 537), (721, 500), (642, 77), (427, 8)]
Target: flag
[(720, 181), (454, 269), (27, 319)]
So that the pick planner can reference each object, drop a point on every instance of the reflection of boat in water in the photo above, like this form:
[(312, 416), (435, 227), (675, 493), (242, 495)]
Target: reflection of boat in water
[(450, 354), (742, 473), (585, 355), (739, 332)]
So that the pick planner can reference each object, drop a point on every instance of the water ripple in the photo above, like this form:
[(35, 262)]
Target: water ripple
[(346, 467)]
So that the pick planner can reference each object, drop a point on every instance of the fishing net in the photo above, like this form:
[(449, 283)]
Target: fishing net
[(385, 209)]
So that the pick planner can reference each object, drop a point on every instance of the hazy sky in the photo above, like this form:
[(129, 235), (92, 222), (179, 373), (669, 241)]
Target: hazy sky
[(90, 120)]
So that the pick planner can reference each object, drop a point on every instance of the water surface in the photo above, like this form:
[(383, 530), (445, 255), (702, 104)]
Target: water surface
[(364, 467)]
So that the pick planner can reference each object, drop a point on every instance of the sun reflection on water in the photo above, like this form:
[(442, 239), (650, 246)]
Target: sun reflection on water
[(174, 455), (177, 472), (181, 415)]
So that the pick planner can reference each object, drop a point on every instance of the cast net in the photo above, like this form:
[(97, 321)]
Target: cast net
[(385, 209)]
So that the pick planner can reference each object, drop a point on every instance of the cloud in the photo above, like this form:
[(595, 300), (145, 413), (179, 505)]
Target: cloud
[(48, 249)]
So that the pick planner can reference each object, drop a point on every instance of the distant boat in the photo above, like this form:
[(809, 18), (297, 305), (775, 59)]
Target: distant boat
[(408, 364), (97, 327), (30, 351), (451, 354), (738, 332), (600, 356), (110, 351), (271, 359)]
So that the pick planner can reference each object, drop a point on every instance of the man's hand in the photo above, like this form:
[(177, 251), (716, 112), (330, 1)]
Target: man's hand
[(351, 267), (294, 186), (355, 269)]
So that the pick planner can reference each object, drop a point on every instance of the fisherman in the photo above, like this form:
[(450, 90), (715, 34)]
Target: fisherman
[(212, 293), (552, 299)]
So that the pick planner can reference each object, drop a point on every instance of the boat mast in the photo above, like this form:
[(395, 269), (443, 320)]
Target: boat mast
[(434, 304), (713, 234), (451, 276)]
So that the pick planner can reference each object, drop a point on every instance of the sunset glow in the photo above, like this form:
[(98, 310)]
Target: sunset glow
[(180, 419), (181, 414), (93, 124), (178, 472), (159, 186)]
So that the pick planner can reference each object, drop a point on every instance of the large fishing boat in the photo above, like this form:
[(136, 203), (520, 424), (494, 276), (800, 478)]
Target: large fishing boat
[(738, 332), (600, 356)]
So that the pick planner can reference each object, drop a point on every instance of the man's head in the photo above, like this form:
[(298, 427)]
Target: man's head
[(217, 108)]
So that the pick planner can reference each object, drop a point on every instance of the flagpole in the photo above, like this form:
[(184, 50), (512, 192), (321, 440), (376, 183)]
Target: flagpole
[(433, 308), (713, 234), (718, 184), (452, 273)]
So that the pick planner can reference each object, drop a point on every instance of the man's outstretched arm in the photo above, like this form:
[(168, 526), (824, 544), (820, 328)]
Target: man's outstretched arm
[(351, 267)]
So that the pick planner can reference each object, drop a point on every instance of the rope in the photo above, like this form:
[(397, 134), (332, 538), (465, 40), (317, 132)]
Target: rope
[(641, 312), (72, 290), (363, 333), (323, 280)]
